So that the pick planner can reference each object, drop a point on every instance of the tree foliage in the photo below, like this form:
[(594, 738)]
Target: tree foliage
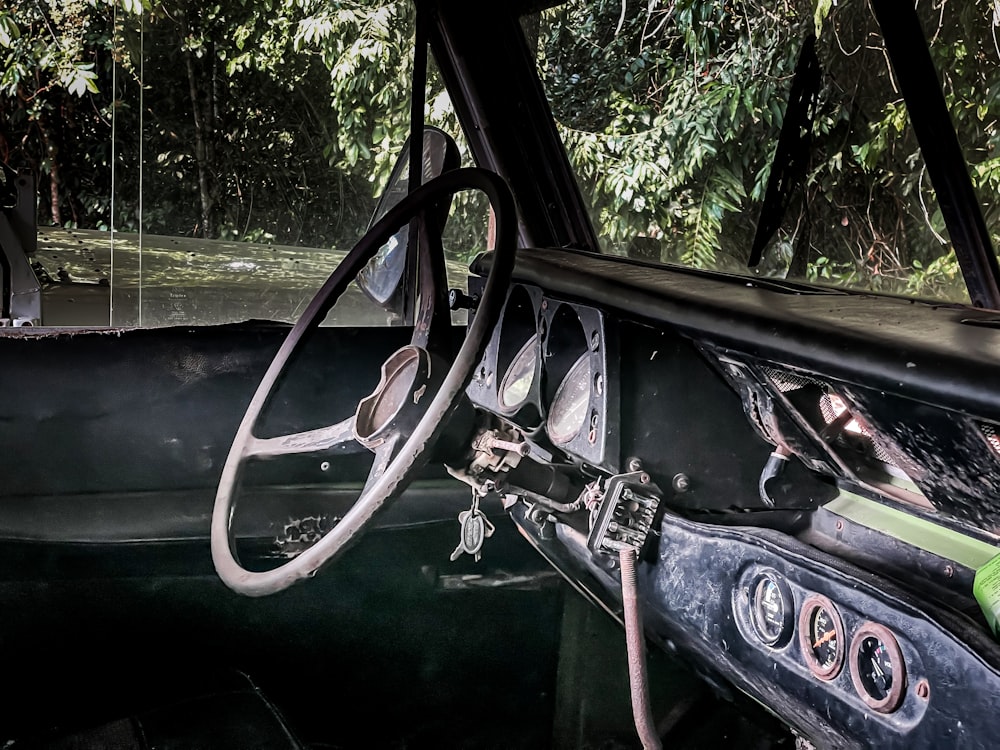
[(672, 111), (55, 54), (269, 120), (682, 101)]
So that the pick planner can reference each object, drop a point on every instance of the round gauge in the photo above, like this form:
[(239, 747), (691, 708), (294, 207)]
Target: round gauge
[(520, 376), (568, 413), (821, 637), (877, 668), (771, 609)]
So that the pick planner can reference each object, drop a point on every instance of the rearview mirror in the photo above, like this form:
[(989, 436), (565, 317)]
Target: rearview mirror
[(381, 278)]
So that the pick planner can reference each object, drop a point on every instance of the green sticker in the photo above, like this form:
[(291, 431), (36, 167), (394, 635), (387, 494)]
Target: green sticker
[(986, 589)]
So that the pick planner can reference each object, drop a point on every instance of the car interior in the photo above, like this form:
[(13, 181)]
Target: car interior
[(619, 502)]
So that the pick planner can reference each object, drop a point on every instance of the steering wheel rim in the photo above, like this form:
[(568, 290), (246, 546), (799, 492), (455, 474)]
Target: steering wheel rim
[(405, 457)]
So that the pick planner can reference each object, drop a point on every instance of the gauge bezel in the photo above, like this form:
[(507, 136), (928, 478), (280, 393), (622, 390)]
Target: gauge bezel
[(809, 607), (572, 331), (519, 322), (788, 607), (565, 331), (898, 688)]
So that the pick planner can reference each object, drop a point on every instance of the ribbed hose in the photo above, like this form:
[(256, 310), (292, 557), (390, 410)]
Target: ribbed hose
[(636, 645)]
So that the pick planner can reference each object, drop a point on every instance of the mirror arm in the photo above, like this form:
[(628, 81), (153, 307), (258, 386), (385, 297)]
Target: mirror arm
[(418, 93)]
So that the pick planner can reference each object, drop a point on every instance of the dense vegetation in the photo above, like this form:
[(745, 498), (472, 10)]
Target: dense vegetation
[(273, 120), (277, 120), (672, 111)]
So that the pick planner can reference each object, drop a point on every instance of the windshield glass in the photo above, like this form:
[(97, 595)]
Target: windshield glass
[(200, 165), (672, 112)]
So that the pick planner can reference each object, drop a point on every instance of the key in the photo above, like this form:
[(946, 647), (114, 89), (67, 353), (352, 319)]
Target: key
[(476, 529)]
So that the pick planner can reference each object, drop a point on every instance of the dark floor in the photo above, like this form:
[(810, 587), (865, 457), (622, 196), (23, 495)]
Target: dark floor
[(392, 647)]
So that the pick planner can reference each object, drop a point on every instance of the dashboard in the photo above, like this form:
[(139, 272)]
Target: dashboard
[(851, 636)]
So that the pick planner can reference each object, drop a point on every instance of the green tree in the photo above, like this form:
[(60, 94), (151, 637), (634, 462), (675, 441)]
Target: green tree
[(273, 120), (57, 55), (672, 111)]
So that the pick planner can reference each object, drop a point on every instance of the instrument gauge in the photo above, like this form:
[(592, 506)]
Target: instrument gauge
[(520, 376), (877, 667), (568, 413), (771, 609), (821, 637)]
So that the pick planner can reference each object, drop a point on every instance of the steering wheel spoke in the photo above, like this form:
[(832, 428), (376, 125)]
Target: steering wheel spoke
[(384, 454), (335, 437)]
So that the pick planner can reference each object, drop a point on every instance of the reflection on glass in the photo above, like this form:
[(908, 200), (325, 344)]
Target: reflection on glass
[(520, 376), (382, 274), (569, 407)]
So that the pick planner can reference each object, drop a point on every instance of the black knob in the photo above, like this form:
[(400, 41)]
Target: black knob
[(459, 300)]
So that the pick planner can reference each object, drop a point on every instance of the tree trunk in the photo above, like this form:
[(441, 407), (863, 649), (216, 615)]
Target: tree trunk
[(52, 153), (200, 147)]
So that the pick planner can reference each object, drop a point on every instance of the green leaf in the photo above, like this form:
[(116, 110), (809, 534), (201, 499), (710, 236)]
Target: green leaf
[(9, 30), (80, 79), (821, 11), (134, 6)]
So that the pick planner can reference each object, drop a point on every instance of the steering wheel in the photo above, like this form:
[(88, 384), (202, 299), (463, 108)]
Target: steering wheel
[(407, 412)]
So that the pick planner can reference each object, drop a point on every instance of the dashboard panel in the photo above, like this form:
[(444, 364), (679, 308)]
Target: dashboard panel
[(705, 583), (696, 594), (853, 637)]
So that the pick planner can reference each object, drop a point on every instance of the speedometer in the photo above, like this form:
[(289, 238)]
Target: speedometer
[(568, 413)]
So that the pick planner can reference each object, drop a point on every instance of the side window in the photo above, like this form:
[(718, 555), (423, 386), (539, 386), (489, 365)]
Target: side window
[(204, 164)]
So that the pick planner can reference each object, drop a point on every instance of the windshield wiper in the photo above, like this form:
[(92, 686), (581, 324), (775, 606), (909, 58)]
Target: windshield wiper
[(791, 157)]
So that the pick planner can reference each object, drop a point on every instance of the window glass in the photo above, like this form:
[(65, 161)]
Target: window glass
[(671, 114), (213, 163)]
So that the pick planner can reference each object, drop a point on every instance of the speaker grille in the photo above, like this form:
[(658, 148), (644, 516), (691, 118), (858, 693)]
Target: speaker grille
[(832, 406), (788, 381), (992, 435)]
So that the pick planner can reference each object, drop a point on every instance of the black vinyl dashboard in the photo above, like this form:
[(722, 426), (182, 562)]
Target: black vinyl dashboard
[(854, 635)]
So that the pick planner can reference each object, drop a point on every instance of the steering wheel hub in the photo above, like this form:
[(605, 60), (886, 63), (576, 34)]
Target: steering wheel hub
[(398, 403)]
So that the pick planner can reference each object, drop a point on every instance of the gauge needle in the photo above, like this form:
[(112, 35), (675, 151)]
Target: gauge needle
[(827, 636)]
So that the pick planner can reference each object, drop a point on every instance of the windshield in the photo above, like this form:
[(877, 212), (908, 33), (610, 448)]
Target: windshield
[(672, 113), (201, 165)]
